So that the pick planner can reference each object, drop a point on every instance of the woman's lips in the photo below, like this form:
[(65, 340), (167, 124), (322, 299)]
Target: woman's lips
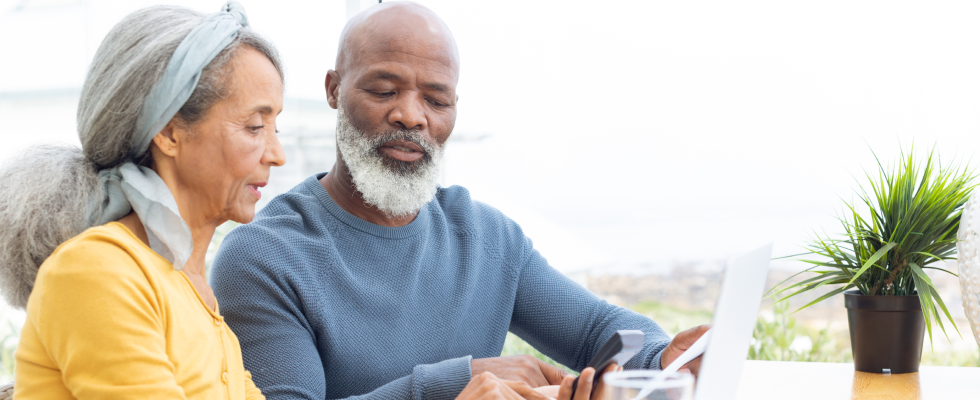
[(402, 150), (254, 188)]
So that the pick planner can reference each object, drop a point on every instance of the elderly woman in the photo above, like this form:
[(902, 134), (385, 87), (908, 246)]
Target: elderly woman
[(105, 245)]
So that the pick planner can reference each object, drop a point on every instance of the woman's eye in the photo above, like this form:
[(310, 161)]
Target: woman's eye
[(255, 129)]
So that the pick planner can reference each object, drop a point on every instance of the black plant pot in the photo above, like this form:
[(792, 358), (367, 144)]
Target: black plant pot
[(886, 332)]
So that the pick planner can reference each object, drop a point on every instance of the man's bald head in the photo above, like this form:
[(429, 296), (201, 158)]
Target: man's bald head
[(395, 27), (394, 90)]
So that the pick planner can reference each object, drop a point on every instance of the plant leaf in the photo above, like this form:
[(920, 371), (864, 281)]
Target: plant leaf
[(926, 304), (874, 258), (824, 297), (942, 269)]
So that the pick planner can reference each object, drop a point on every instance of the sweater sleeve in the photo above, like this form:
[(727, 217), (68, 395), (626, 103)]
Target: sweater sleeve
[(261, 303), (568, 323), (97, 319)]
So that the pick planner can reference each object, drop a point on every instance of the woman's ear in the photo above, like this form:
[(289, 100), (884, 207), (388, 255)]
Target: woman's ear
[(167, 139)]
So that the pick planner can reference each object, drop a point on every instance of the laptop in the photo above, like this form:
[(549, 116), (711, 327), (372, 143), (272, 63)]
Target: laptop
[(732, 325)]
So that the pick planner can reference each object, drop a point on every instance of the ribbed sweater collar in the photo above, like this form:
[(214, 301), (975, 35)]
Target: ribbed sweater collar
[(413, 228)]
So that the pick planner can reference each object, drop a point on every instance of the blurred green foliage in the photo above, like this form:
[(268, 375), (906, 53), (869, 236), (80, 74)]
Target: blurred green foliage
[(775, 338), (672, 319), (952, 358), (779, 338), (9, 335)]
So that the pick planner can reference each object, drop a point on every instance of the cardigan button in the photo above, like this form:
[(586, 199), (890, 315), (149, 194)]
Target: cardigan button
[(224, 377), (217, 322)]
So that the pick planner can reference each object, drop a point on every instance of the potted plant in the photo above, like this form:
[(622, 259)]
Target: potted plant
[(905, 224)]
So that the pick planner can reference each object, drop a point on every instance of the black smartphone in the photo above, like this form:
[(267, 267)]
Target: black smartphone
[(619, 349)]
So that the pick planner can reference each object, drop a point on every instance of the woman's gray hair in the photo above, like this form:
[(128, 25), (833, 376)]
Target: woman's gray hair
[(47, 193)]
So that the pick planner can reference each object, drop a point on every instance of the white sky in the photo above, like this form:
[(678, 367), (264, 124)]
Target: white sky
[(652, 130)]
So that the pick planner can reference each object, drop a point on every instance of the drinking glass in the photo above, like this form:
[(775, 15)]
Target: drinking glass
[(625, 385)]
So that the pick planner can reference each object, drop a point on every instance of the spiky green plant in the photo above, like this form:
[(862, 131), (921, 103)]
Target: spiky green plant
[(914, 215)]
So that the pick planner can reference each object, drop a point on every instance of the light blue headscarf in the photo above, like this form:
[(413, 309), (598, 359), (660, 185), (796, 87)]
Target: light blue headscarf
[(132, 187)]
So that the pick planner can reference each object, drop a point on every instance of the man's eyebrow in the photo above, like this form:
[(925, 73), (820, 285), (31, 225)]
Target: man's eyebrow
[(391, 76), (386, 75), (437, 87)]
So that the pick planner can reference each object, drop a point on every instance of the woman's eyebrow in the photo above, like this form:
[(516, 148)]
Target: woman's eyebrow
[(264, 109)]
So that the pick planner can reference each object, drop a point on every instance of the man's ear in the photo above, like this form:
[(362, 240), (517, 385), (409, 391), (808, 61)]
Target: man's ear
[(332, 85), (166, 140)]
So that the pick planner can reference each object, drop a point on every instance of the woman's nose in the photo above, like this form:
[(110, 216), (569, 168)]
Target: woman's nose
[(274, 154)]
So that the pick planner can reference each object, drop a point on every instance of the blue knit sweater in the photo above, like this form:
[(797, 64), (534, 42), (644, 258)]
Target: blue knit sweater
[(329, 306)]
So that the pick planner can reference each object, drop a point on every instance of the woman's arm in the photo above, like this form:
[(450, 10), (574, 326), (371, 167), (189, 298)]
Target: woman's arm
[(96, 316)]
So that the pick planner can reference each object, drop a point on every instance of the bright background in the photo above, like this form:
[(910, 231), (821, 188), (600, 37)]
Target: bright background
[(625, 136), (652, 131)]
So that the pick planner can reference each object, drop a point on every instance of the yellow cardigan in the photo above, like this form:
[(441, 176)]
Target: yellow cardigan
[(110, 319)]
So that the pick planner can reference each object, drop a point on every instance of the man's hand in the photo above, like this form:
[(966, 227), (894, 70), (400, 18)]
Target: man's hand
[(584, 390), (525, 369), (486, 386), (682, 342)]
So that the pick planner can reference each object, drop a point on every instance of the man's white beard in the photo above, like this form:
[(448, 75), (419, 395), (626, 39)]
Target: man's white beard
[(397, 188)]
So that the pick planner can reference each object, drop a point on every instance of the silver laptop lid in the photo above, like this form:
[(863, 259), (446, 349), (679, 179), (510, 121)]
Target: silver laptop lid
[(732, 325)]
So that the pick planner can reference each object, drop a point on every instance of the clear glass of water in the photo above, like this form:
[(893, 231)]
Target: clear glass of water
[(625, 385)]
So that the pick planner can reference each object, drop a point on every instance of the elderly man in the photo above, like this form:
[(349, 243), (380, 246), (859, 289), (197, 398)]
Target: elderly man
[(373, 281)]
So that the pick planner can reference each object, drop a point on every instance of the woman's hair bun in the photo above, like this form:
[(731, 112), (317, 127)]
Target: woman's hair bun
[(46, 196)]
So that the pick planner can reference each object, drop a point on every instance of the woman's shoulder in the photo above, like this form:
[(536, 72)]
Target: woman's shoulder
[(103, 265), (109, 248)]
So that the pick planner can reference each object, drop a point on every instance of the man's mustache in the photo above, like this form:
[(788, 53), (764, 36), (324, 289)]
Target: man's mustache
[(406, 136)]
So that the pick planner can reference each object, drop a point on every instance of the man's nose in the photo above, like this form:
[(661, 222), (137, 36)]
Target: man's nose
[(408, 113)]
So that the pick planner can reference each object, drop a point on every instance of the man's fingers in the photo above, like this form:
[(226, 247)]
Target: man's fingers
[(511, 394), (584, 389), (486, 386), (600, 387), (503, 391), (694, 366), (551, 373), (524, 390), (611, 368), (524, 368), (482, 386), (681, 343), (688, 337), (549, 391), (565, 391)]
